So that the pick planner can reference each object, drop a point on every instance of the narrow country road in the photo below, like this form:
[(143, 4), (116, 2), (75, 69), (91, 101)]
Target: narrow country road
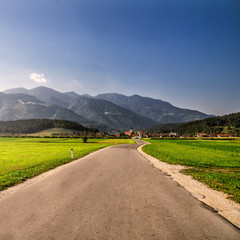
[(114, 193)]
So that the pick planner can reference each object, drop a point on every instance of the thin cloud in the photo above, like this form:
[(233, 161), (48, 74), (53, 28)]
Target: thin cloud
[(39, 78)]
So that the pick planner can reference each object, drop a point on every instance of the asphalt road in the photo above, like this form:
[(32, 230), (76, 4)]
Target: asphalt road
[(111, 194)]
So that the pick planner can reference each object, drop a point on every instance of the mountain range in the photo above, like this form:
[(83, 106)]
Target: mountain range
[(107, 112)]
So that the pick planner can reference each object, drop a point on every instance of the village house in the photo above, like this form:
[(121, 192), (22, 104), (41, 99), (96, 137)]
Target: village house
[(99, 135), (161, 135), (173, 134), (140, 134), (223, 135), (128, 133), (212, 135), (117, 135), (202, 135)]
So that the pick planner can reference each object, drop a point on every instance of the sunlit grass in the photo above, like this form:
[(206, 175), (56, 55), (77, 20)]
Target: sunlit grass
[(215, 163), (22, 158)]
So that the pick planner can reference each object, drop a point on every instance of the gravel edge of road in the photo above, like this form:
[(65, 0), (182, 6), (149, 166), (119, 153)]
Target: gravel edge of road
[(214, 199)]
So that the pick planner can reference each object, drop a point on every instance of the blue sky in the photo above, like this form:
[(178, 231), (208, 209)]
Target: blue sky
[(182, 51)]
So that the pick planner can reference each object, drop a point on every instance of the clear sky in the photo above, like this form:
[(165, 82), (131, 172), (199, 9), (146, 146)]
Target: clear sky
[(186, 52)]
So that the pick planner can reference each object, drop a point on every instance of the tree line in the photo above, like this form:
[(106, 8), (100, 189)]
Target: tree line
[(37, 125), (213, 125)]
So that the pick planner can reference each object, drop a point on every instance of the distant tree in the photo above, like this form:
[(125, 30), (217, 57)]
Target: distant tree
[(85, 138)]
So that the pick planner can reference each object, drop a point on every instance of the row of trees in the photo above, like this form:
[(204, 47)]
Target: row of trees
[(215, 125), (37, 125)]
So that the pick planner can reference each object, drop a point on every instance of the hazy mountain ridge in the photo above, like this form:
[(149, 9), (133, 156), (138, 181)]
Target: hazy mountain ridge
[(157, 110), (117, 111), (17, 106), (108, 113), (47, 95), (104, 113)]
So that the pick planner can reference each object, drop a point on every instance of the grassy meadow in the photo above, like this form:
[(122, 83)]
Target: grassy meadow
[(213, 162), (22, 158)]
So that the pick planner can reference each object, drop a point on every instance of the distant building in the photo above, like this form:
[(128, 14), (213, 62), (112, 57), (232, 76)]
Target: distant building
[(117, 135), (128, 133), (173, 134), (140, 134), (212, 135), (162, 135), (223, 135), (99, 134), (202, 135)]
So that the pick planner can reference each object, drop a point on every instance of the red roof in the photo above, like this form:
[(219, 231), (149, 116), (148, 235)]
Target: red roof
[(223, 135)]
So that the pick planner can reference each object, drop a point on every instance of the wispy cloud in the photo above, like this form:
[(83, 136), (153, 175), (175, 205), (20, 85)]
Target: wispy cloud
[(39, 78)]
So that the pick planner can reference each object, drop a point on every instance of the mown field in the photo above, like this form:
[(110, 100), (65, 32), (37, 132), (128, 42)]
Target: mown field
[(215, 163), (23, 158)]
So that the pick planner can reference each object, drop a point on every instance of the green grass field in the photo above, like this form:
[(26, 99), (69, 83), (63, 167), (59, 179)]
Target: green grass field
[(215, 163), (22, 158)]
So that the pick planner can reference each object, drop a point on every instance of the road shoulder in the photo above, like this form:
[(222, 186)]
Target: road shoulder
[(212, 198)]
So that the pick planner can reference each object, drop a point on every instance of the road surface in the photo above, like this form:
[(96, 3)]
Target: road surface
[(114, 193)]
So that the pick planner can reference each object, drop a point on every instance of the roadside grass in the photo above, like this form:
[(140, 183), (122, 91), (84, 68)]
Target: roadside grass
[(215, 163), (23, 158)]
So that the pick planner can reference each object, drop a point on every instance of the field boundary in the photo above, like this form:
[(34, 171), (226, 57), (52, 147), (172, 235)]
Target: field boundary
[(11, 190), (207, 196)]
